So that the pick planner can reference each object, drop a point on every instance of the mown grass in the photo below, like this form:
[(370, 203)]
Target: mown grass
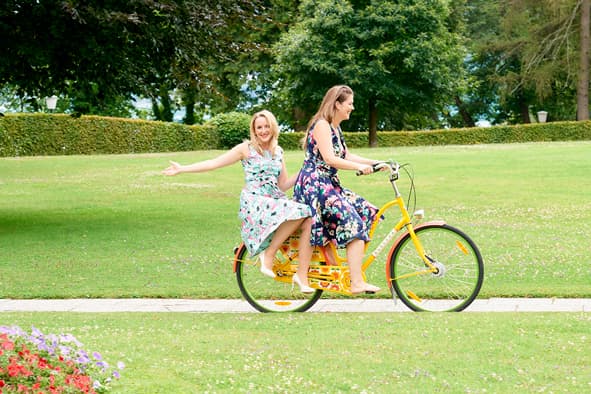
[(334, 352), (113, 226)]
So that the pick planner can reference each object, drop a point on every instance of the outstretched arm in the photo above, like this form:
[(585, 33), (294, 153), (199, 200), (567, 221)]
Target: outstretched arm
[(237, 153)]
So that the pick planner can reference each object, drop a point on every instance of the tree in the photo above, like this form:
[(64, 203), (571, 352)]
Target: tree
[(531, 55), (583, 80), (245, 82), (103, 51), (400, 57), (209, 36), (488, 63)]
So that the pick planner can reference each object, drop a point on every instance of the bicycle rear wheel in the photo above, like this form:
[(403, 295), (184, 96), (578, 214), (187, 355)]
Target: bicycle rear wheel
[(266, 294), (458, 279)]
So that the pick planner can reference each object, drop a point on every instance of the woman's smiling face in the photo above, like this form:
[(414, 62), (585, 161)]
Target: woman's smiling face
[(262, 129), (344, 109)]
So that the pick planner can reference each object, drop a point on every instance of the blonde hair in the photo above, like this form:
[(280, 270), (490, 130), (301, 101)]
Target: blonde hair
[(254, 142), (327, 109)]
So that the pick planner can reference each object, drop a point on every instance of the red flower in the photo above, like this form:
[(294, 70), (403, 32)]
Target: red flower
[(43, 370), (6, 344)]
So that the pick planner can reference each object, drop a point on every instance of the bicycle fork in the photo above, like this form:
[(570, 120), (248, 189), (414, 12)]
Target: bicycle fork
[(405, 222)]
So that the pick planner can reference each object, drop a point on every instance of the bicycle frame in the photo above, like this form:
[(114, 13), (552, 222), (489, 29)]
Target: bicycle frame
[(324, 276), (405, 221)]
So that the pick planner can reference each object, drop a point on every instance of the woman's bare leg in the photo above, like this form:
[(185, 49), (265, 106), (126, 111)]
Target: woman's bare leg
[(281, 234), (305, 251), (355, 250)]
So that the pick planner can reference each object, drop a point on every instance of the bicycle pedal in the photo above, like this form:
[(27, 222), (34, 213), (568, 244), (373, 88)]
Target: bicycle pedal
[(367, 292)]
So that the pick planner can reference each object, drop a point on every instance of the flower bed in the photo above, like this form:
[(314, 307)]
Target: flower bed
[(37, 363)]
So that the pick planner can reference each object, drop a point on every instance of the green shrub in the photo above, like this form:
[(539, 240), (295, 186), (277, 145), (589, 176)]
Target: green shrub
[(291, 141), (60, 134), (231, 128), (555, 131)]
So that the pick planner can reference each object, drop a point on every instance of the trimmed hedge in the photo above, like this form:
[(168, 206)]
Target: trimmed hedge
[(60, 134), (535, 132)]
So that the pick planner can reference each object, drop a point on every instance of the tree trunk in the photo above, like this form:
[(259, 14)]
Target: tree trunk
[(189, 102), (300, 118), (189, 113), (523, 109), (583, 83), (166, 111), (373, 123), (466, 117), (156, 109)]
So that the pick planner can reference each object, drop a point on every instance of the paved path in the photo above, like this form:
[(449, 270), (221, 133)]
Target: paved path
[(323, 305)]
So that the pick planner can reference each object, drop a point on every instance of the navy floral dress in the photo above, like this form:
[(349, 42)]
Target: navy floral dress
[(338, 214)]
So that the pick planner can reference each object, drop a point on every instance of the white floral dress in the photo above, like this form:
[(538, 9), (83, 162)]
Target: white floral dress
[(263, 206)]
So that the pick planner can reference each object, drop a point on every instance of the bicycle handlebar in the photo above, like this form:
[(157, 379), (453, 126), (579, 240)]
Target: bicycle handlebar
[(393, 166)]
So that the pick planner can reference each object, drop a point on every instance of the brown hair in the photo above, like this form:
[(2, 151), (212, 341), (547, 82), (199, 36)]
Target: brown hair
[(338, 93), (254, 142)]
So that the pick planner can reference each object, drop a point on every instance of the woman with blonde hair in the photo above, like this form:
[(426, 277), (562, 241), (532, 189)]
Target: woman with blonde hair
[(338, 214), (268, 216)]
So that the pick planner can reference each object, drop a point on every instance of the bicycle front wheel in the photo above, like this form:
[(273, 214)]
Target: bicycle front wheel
[(266, 294), (457, 280)]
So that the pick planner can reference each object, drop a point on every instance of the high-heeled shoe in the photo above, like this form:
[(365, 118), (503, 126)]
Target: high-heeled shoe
[(368, 289), (303, 288), (264, 270)]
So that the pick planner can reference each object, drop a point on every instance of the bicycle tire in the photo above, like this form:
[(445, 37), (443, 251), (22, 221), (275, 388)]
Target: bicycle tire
[(267, 294), (458, 281)]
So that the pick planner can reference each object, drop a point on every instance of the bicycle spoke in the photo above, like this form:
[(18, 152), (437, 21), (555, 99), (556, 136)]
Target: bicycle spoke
[(459, 265), (271, 294)]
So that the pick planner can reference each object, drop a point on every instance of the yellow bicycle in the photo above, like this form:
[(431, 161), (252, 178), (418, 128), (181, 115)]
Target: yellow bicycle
[(430, 266)]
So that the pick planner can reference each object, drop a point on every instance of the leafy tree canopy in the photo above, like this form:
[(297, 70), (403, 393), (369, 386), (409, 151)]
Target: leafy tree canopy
[(104, 50), (398, 56), (524, 57)]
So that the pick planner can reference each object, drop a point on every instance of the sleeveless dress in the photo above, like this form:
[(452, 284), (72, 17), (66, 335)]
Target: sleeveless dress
[(339, 215), (263, 206)]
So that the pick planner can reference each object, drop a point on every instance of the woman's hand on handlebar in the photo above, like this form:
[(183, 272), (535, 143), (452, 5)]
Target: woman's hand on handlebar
[(365, 169)]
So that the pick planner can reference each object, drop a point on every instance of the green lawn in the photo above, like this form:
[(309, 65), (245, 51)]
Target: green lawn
[(113, 226), (184, 353)]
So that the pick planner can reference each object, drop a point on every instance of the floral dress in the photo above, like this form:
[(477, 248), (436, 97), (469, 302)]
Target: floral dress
[(339, 214), (263, 206)]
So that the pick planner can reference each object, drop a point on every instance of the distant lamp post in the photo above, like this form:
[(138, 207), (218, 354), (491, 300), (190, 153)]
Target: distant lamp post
[(51, 102), (542, 116)]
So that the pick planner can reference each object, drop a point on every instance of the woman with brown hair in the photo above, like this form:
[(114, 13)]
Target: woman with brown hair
[(338, 214)]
